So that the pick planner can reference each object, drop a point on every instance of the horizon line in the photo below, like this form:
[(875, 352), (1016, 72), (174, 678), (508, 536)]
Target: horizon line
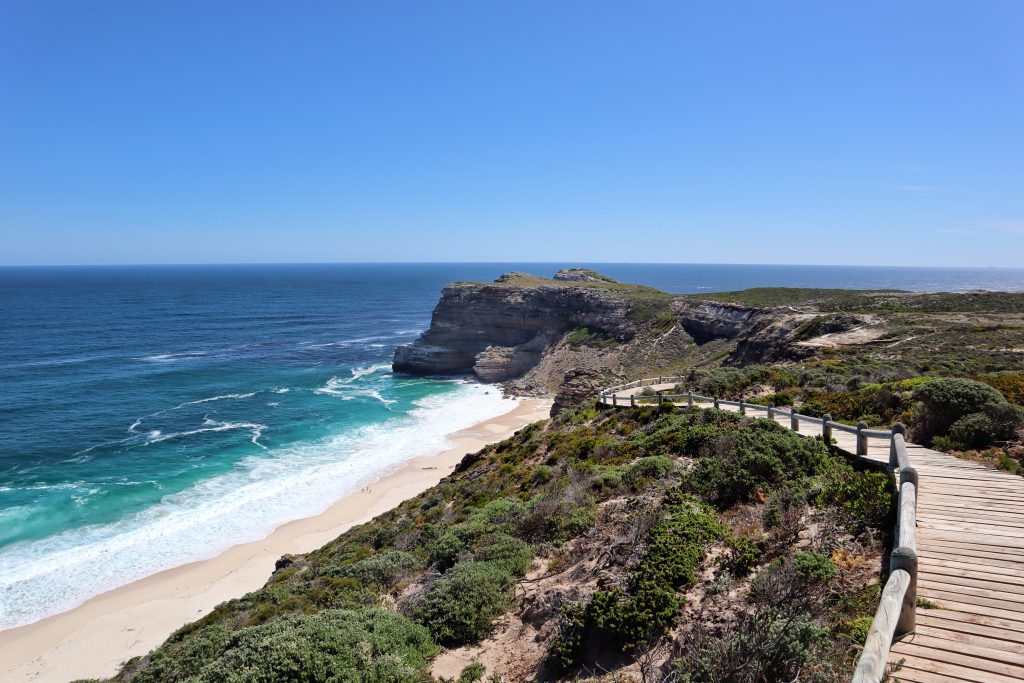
[(465, 261)]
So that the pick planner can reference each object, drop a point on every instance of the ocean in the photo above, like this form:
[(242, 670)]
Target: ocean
[(152, 416)]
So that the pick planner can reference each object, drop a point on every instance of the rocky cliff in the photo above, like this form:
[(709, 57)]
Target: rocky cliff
[(501, 330), (569, 334)]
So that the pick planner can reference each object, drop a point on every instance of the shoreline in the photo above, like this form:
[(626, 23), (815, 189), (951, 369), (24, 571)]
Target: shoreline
[(93, 639)]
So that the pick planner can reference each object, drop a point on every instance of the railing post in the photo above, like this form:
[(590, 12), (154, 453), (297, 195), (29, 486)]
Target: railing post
[(862, 440), (716, 404), (826, 430), (898, 428), (743, 408), (689, 398), (771, 412), (794, 423), (632, 400), (615, 399), (906, 559)]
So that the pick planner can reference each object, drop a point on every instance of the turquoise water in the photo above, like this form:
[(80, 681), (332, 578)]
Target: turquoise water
[(153, 416)]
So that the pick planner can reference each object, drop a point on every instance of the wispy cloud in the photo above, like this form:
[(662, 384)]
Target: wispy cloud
[(1015, 227), (956, 231)]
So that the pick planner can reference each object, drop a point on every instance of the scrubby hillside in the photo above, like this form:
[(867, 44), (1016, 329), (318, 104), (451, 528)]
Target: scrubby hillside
[(653, 543)]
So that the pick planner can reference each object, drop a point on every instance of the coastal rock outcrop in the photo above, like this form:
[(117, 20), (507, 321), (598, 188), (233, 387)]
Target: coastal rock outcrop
[(570, 335), (500, 330)]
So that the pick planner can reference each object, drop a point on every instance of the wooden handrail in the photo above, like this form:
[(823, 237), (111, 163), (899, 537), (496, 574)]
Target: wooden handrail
[(896, 615)]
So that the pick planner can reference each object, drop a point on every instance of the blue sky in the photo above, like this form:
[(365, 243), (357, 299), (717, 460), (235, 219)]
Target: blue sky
[(876, 132)]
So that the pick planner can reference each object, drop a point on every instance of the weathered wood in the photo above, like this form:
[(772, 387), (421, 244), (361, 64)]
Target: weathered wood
[(964, 660), (875, 657)]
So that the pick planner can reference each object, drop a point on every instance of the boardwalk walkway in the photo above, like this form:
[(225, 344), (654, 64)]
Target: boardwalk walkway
[(970, 547)]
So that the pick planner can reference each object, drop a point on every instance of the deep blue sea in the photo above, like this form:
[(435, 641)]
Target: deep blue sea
[(153, 416)]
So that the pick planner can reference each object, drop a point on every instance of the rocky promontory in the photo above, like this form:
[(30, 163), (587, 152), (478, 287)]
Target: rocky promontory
[(566, 334)]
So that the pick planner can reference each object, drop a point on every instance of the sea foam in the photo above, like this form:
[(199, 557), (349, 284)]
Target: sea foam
[(56, 573)]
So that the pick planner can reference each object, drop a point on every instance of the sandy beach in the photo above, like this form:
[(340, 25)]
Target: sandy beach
[(93, 639)]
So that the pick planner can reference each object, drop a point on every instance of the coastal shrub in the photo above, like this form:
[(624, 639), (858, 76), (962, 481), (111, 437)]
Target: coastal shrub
[(644, 470), (766, 645), (814, 566), (444, 551), (460, 605), (866, 498), (1009, 384), (858, 628), (877, 404), (776, 399), (472, 673), (509, 554), (945, 401), (606, 478), (184, 659), (363, 646), (744, 554), (759, 458), (584, 336), (385, 569), (1009, 464), (626, 617), (976, 430)]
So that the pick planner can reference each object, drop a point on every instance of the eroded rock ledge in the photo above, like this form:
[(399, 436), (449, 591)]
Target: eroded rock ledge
[(580, 329)]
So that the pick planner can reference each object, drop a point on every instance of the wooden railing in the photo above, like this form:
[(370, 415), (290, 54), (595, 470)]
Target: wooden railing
[(896, 615)]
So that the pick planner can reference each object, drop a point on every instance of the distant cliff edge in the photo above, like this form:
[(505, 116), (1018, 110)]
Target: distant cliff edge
[(569, 334)]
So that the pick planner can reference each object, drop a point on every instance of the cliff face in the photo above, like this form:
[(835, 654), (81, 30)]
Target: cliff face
[(497, 331), (582, 330)]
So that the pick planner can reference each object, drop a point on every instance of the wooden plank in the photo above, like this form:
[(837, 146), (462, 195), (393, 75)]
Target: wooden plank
[(973, 623), (979, 596), (997, 525), (976, 538), (1011, 588), (989, 561), (976, 571), (946, 670), (958, 544), (942, 560), (909, 675), (1014, 655), (950, 503), (971, 638), (953, 601), (980, 515), (1015, 673)]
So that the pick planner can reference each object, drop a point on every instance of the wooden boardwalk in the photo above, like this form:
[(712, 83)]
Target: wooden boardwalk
[(970, 546)]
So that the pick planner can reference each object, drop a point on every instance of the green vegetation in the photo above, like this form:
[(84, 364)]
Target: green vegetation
[(971, 413), (379, 601), (874, 301), (365, 646), (584, 336)]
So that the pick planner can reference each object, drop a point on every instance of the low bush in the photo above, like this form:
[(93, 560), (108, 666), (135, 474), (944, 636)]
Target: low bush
[(752, 460), (384, 569), (1009, 384), (644, 470), (363, 646), (813, 566), (625, 617), (945, 401), (976, 430), (866, 499), (461, 604)]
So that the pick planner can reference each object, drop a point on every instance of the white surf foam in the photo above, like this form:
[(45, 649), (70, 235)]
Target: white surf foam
[(170, 357), (54, 574), (225, 397)]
